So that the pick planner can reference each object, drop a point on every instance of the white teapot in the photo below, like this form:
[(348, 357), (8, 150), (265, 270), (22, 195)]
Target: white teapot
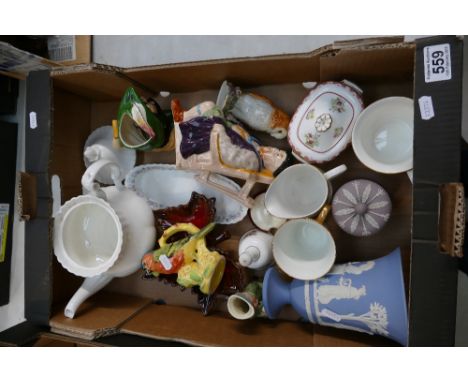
[(102, 234)]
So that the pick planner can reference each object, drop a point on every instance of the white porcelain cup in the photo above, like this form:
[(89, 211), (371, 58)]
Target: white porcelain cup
[(304, 249), (300, 191)]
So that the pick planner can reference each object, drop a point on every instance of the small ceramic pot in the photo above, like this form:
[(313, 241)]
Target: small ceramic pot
[(322, 126), (304, 249), (383, 135), (258, 112), (300, 191), (255, 249), (361, 207), (247, 304)]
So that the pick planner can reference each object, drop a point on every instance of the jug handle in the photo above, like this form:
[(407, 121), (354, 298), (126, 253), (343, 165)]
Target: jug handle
[(90, 186)]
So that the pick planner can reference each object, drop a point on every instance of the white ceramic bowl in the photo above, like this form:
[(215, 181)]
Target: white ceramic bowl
[(383, 135), (304, 249)]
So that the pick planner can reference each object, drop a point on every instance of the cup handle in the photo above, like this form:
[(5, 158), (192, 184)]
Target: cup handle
[(323, 214), (334, 172), (88, 179)]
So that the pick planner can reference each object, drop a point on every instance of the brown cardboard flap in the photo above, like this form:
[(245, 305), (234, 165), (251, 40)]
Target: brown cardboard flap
[(94, 81), (99, 316), (452, 219), (55, 340), (171, 323), (391, 62), (188, 325)]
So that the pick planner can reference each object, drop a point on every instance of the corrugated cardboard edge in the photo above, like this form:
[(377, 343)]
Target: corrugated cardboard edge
[(97, 333), (53, 339), (93, 67), (327, 50), (361, 44)]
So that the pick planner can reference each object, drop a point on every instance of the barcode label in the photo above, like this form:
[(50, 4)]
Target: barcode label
[(4, 209), (61, 48)]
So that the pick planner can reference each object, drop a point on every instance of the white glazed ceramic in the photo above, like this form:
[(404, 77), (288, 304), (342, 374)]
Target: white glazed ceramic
[(304, 249), (322, 125), (299, 191), (99, 146), (165, 186), (261, 218), (240, 307), (82, 234), (255, 249), (88, 236), (383, 135)]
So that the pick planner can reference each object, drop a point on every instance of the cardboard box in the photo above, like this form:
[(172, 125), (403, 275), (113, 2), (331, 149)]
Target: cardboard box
[(62, 51), (70, 102)]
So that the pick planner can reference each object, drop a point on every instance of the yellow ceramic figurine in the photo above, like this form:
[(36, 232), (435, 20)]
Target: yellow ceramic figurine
[(193, 262)]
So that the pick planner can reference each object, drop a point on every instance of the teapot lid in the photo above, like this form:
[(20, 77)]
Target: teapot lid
[(88, 236)]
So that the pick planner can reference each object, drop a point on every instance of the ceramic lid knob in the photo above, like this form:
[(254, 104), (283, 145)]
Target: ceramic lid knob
[(249, 256), (361, 207)]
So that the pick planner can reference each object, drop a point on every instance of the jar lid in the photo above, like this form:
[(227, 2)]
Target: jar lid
[(361, 207), (322, 125)]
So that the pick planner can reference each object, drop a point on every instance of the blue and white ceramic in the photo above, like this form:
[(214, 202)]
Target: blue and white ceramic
[(367, 297)]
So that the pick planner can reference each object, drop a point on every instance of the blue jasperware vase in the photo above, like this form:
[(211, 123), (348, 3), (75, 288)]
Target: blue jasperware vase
[(366, 296)]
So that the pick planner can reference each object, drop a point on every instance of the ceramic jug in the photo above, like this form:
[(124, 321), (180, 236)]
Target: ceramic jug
[(367, 297), (102, 234)]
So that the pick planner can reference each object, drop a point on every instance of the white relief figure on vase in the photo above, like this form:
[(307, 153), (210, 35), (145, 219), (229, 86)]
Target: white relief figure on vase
[(343, 290), (375, 319), (354, 268)]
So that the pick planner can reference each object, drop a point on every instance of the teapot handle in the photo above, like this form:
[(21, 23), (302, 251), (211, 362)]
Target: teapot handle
[(90, 186)]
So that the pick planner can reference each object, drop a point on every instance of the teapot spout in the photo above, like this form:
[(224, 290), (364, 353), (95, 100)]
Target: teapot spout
[(90, 286)]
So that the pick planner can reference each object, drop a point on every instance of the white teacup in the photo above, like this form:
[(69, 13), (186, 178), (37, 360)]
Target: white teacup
[(300, 191), (304, 249)]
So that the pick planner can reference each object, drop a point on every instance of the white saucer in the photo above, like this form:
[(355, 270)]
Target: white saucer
[(260, 216)]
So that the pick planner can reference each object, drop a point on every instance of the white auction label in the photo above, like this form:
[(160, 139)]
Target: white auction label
[(426, 107), (437, 63), (32, 120), (166, 263)]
